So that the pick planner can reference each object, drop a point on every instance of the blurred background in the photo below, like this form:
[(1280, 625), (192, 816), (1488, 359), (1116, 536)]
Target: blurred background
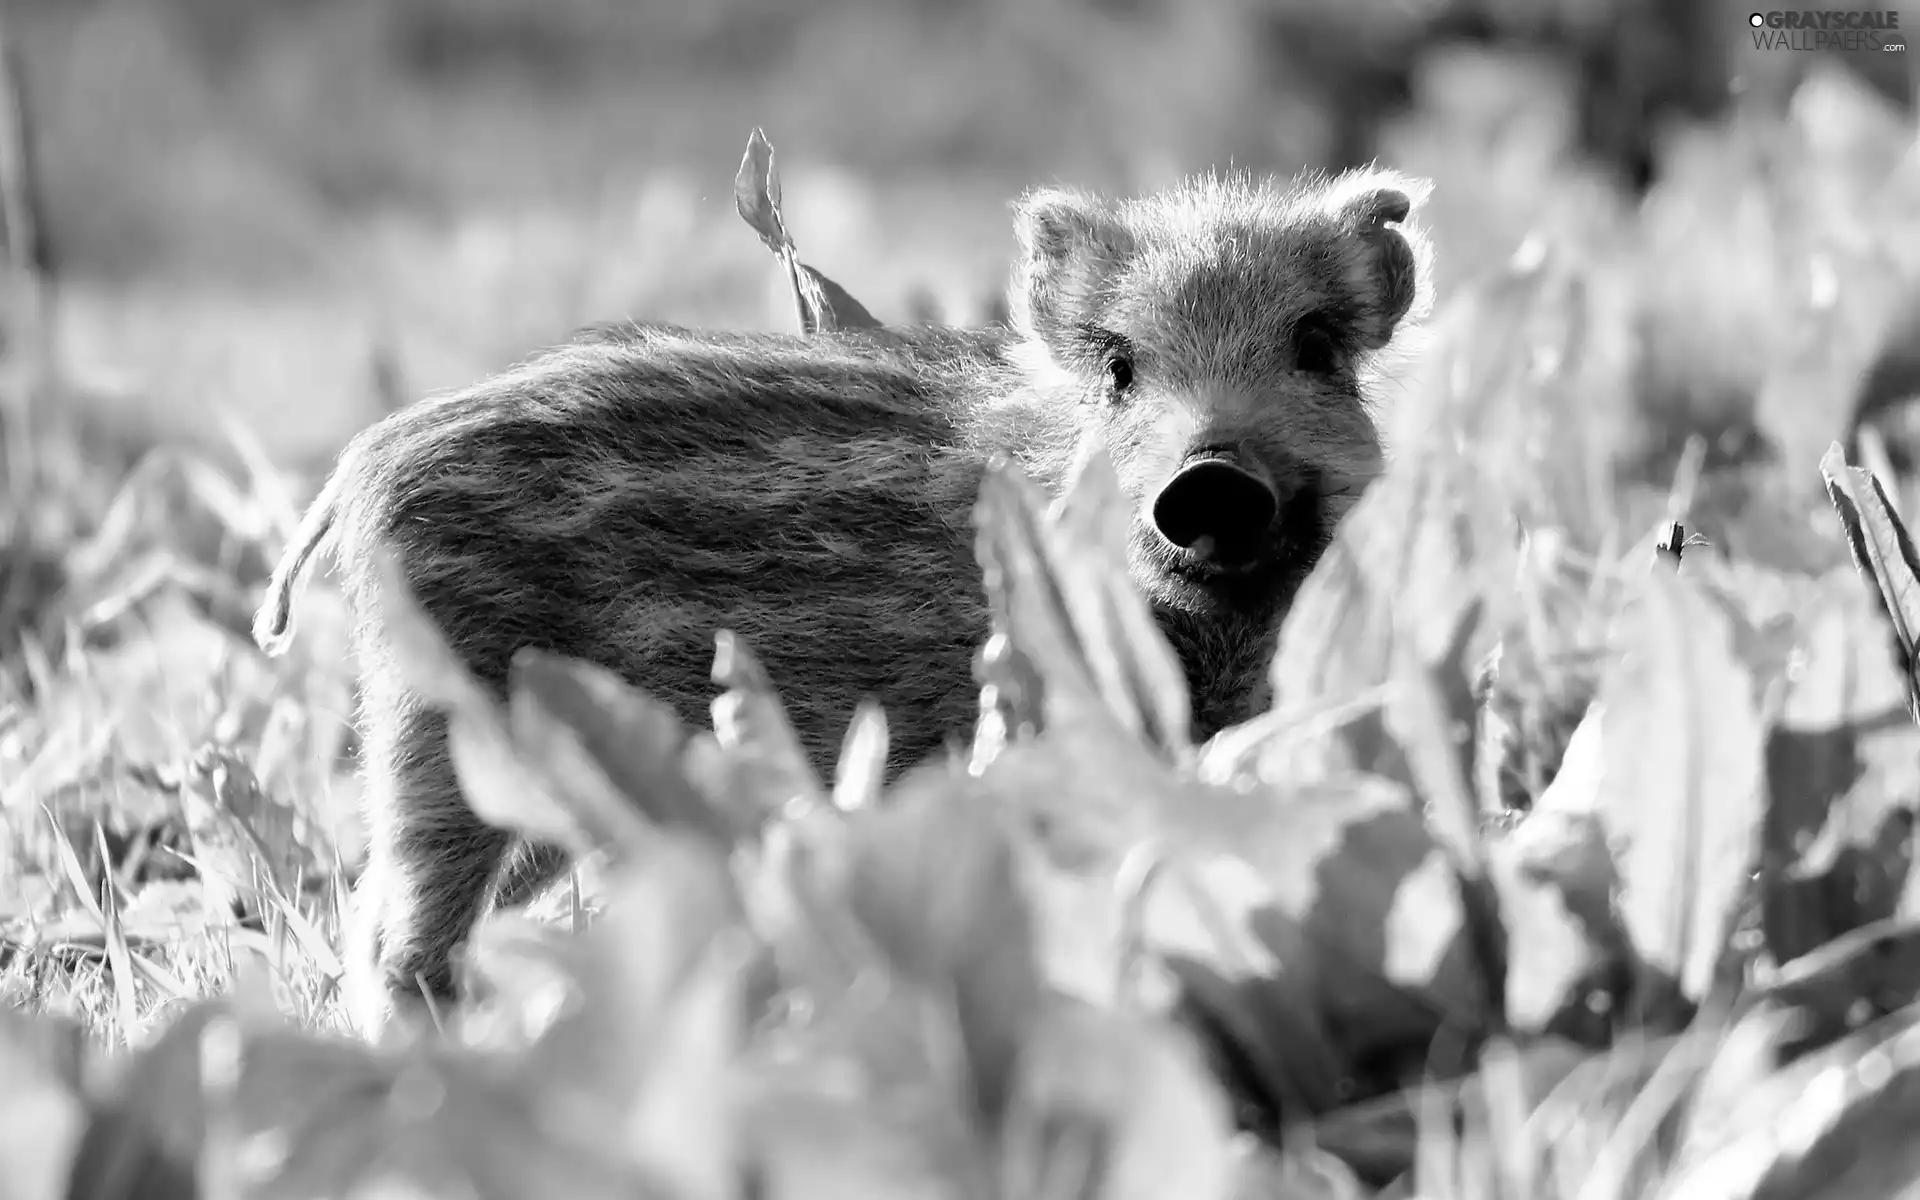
[(281, 208)]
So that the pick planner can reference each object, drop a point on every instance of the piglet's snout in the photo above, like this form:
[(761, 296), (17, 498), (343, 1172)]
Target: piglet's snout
[(1217, 506)]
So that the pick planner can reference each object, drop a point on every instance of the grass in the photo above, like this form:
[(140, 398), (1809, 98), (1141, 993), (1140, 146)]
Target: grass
[(177, 815)]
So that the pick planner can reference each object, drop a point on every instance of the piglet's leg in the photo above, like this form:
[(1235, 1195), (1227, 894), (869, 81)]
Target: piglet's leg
[(430, 864)]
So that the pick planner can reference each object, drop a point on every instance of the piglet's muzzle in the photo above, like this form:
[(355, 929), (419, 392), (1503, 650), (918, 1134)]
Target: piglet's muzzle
[(1218, 506)]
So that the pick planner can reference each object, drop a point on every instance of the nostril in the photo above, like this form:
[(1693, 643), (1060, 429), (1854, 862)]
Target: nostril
[(1214, 501)]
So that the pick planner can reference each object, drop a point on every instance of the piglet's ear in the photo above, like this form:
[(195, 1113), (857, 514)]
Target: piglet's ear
[(1388, 261), (1070, 244), (1387, 206)]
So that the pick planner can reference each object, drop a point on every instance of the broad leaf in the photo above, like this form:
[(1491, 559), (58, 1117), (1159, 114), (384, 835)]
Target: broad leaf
[(1059, 588), (670, 906), (1836, 1124), (1074, 661), (498, 784), (1383, 1139), (1431, 717), (1740, 1086), (1260, 1172), (1336, 895), (830, 306), (1843, 772), (636, 742), (1011, 698), (808, 1137), (1683, 787), (42, 1114), (862, 766), (756, 194), (683, 1126), (1883, 552), (1084, 542), (768, 770), (1433, 523), (1345, 890), (1565, 955), (933, 879), (821, 304), (1113, 1108), (791, 888)]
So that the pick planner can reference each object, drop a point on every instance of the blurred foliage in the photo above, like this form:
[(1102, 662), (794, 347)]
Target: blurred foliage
[(368, 103), (250, 200)]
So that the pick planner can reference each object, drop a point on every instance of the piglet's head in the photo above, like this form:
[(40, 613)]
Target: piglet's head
[(1218, 336)]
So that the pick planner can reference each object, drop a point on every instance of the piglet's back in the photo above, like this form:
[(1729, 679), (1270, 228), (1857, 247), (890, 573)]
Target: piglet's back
[(627, 495)]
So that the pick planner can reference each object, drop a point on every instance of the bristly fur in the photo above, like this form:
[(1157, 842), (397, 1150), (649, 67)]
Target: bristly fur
[(622, 497)]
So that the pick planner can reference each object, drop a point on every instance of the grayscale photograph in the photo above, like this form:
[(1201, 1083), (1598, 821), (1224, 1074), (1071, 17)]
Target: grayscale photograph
[(959, 599)]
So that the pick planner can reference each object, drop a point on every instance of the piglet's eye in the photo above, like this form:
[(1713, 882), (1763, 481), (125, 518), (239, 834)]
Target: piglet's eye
[(1119, 372), (1315, 350)]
